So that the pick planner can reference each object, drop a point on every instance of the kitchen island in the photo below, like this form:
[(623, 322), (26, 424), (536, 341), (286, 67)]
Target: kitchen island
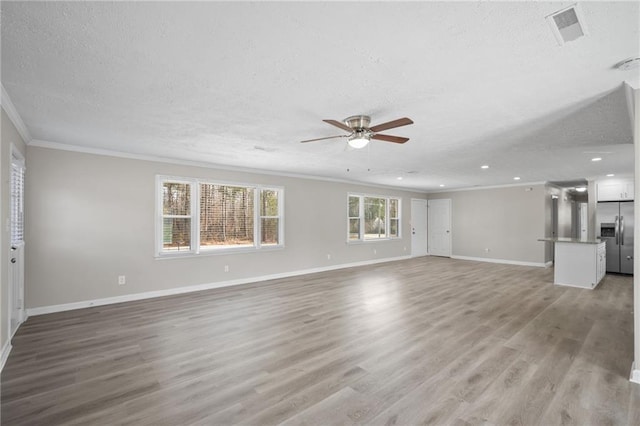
[(578, 262)]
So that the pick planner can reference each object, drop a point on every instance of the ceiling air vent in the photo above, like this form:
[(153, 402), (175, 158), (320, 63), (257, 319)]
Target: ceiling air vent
[(566, 24)]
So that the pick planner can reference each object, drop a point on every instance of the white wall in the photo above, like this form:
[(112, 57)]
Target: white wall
[(635, 114), (9, 136), (507, 221), (90, 218)]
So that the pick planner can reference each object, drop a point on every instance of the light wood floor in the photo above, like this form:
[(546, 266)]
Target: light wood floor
[(427, 340)]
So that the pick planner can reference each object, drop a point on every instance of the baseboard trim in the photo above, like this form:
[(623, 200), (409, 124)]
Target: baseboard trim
[(42, 310), (576, 286), (549, 264), (6, 350), (635, 374), (503, 261)]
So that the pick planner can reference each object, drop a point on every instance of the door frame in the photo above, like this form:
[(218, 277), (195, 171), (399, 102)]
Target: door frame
[(15, 295)]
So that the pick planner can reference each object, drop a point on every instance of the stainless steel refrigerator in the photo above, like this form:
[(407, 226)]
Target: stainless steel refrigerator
[(615, 226)]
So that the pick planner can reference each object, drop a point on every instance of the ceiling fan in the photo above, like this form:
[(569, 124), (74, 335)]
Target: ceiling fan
[(360, 133)]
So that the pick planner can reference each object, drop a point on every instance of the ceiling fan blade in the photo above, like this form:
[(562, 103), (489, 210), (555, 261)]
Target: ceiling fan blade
[(339, 124), (321, 139), (389, 138), (392, 124)]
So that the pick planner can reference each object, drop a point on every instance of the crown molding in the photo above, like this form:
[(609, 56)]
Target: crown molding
[(142, 157), (480, 188), (15, 118)]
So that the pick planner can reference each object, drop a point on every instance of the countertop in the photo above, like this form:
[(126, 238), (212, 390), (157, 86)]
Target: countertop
[(571, 240)]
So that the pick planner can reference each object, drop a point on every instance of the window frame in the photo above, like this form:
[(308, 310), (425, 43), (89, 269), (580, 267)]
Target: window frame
[(359, 217), (387, 220), (397, 217), (196, 249), (259, 216), (193, 216)]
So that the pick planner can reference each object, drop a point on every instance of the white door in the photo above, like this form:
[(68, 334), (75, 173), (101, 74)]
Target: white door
[(440, 227), (419, 243), (16, 290), (16, 252)]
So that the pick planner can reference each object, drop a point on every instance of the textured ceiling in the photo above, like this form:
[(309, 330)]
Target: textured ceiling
[(239, 84)]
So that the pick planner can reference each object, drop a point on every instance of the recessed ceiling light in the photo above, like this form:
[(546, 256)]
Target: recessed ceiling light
[(610, 175), (484, 167), (441, 185), (581, 188), (516, 178), (596, 159), (399, 178)]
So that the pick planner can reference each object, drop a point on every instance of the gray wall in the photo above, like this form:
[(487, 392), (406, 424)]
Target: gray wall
[(90, 218), (9, 136), (507, 221)]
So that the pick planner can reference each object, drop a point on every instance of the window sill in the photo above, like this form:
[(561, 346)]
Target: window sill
[(216, 252), (378, 240)]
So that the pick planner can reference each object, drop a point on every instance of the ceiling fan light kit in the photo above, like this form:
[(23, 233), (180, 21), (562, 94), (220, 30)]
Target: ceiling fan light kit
[(359, 140), (360, 134)]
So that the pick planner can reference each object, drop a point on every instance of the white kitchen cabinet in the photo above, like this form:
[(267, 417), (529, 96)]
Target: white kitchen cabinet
[(579, 263), (615, 191), (601, 258)]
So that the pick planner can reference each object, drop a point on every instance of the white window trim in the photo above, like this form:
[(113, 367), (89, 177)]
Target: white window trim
[(361, 239), (196, 250)]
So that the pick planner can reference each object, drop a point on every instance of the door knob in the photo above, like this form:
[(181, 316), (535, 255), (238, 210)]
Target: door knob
[(13, 260)]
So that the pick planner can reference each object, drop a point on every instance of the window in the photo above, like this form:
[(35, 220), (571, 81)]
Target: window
[(373, 218), (394, 218), (269, 217), (176, 216), (226, 216), (17, 199), (354, 218), (198, 216)]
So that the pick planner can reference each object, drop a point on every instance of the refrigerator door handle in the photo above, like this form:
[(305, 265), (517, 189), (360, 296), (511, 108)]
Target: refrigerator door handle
[(621, 230), (617, 230)]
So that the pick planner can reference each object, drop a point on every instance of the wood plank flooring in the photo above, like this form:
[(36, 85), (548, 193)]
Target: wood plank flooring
[(422, 341)]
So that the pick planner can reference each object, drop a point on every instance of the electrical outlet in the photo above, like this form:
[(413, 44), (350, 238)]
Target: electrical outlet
[(122, 280), (226, 268), (487, 250), (405, 249), (328, 257), (375, 251)]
